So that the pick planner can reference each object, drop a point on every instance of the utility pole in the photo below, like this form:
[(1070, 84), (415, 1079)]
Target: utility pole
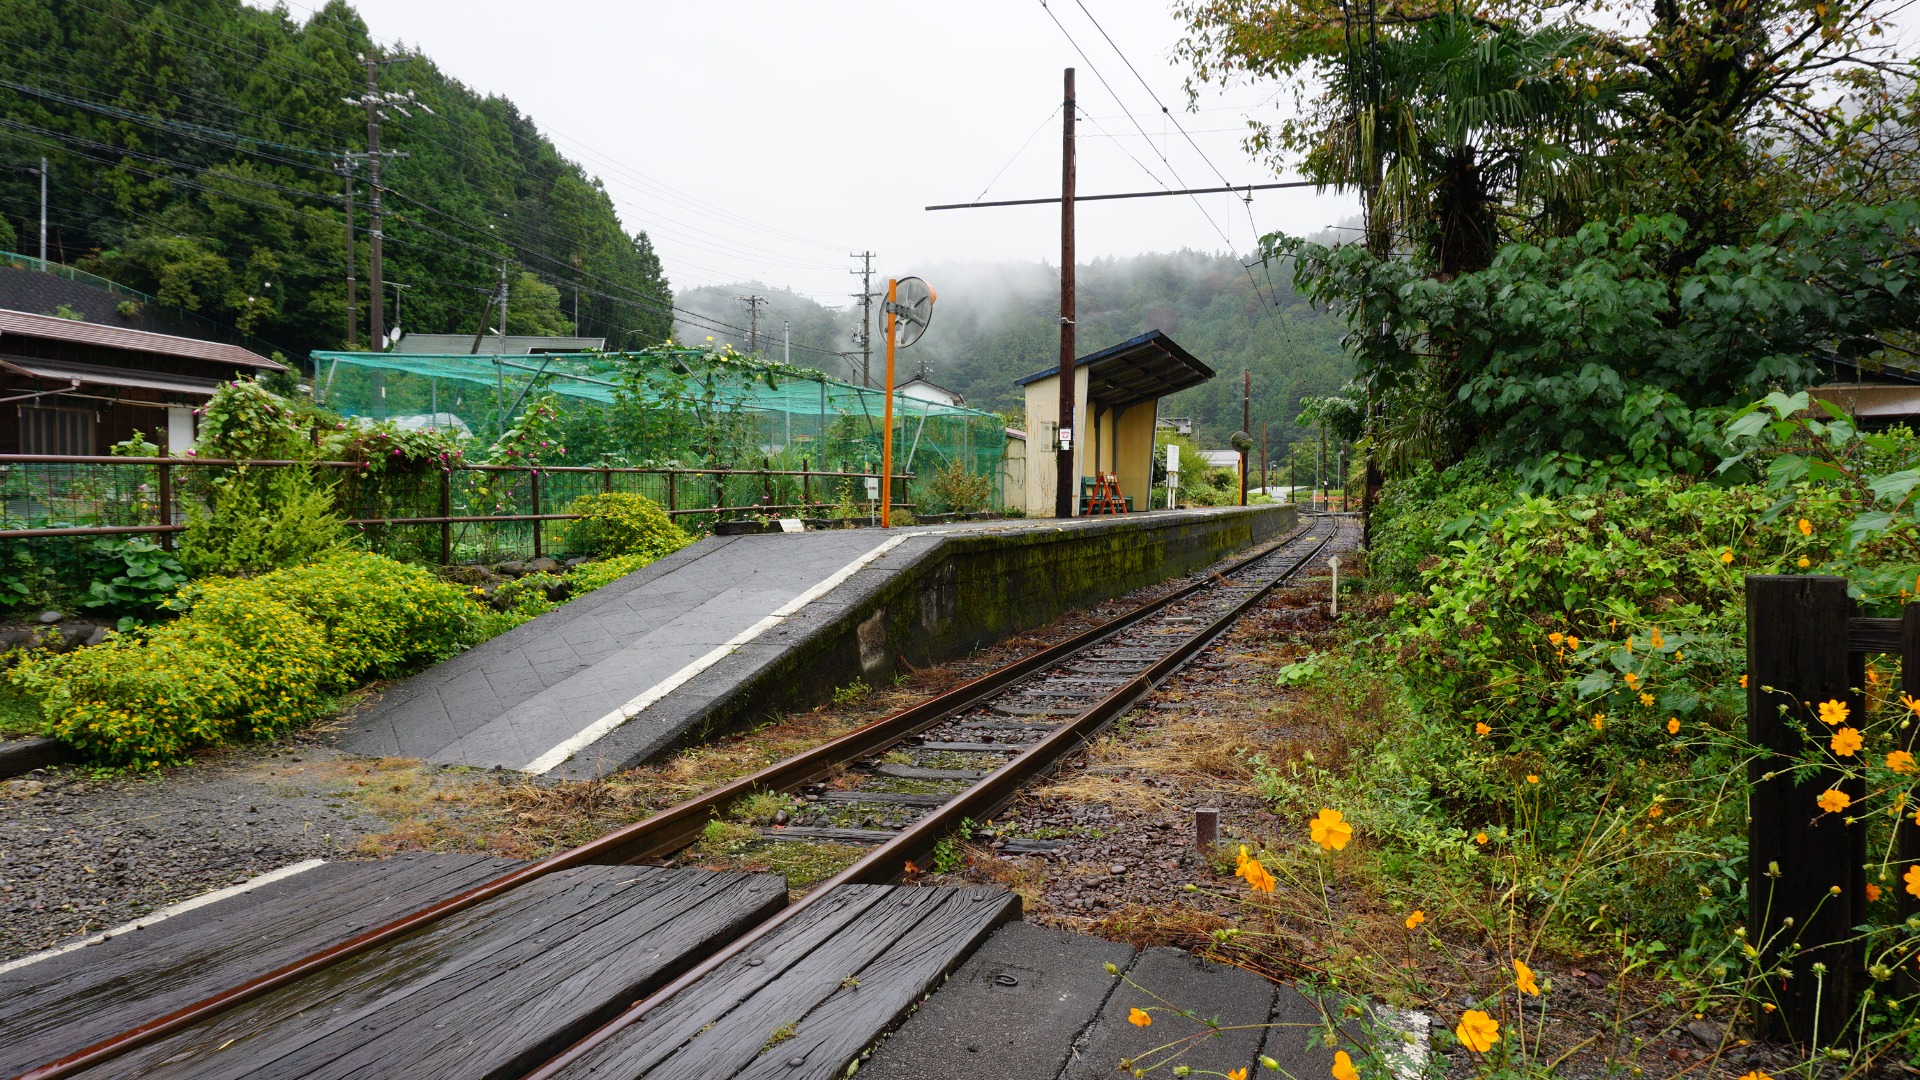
[(754, 303), (376, 103), (353, 298), (1066, 496), (1265, 479), (1246, 425), (1321, 471), (43, 212), (502, 336), (864, 335), (786, 341)]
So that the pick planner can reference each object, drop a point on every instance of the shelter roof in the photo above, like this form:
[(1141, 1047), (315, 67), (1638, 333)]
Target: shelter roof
[(53, 328), (105, 375), (517, 344), (1138, 369)]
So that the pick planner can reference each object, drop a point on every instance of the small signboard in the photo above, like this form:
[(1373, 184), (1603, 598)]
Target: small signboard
[(873, 488), (788, 525)]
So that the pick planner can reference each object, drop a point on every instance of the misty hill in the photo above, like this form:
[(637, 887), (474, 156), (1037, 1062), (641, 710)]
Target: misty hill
[(996, 322)]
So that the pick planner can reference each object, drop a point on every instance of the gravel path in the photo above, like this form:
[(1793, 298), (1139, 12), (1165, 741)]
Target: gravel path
[(79, 855)]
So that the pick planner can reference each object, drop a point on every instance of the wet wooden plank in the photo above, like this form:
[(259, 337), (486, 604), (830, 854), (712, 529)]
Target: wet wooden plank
[(828, 834), (897, 798), (486, 992), (56, 1006), (829, 997), (915, 772), (968, 747)]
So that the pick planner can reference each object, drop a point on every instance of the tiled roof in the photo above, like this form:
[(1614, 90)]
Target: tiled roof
[(53, 328)]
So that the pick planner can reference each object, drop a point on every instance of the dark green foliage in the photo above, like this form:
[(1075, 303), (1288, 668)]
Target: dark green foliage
[(134, 576), (199, 168), (1421, 514)]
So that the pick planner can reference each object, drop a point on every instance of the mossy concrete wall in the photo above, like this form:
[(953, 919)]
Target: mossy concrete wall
[(975, 588)]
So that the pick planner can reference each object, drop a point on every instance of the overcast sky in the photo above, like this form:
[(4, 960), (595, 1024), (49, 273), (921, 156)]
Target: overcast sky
[(766, 140)]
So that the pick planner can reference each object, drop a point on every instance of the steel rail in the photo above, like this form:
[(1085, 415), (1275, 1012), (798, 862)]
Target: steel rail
[(659, 834), (888, 862)]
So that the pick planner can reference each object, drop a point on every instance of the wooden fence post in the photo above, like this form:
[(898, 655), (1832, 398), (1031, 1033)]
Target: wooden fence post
[(672, 503), (533, 478), (1804, 864), (806, 486), (446, 511), (166, 504)]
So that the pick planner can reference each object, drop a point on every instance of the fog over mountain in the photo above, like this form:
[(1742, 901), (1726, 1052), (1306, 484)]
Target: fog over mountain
[(995, 322)]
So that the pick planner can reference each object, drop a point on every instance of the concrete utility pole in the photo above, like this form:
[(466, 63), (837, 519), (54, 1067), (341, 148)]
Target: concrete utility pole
[(376, 104), (864, 335), (754, 304), (43, 213), (502, 338), (786, 341), (1246, 425), (1066, 496), (353, 298)]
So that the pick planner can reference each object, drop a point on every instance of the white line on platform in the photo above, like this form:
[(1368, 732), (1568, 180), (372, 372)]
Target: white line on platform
[(597, 730), (166, 913)]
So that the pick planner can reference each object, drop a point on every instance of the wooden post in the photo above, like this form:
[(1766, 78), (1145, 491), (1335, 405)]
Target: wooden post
[(446, 511), (166, 504), (766, 481), (1906, 828), (806, 484), (533, 478), (606, 479), (1804, 864)]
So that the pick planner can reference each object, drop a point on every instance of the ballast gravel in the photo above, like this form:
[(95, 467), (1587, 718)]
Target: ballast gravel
[(79, 855)]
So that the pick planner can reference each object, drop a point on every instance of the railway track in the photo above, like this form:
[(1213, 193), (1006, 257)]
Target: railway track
[(916, 777)]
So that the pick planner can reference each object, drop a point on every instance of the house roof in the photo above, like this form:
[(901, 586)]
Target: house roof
[(52, 328), (1138, 369), (954, 396), (517, 344), (105, 375)]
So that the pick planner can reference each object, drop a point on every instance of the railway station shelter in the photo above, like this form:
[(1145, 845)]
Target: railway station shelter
[(1116, 400)]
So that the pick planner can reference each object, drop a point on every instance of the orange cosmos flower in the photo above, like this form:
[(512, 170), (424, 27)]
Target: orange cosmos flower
[(1806, 527), (1833, 712), (1873, 892), (1523, 978), (1477, 1031), (1139, 1018), (1330, 831), (1673, 725), (1834, 800), (1913, 877), (1480, 838), (1414, 920), (1482, 729), (1846, 742), (1900, 761), (1343, 1067)]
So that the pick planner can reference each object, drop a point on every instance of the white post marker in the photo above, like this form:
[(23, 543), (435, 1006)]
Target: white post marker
[(1173, 472), (1334, 563)]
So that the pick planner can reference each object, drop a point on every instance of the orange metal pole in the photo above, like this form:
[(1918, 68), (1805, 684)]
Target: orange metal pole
[(886, 437)]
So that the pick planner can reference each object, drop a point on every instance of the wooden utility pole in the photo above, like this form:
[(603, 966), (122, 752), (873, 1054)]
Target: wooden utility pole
[(376, 311), (1264, 480), (353, 298), (1246, 428), (1066, 498)]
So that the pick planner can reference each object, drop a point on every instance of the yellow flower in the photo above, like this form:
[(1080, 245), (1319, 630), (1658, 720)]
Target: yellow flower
[(1572, 642), (1599, 720), (1913, 877), (1238, 1074), (1673, 725), (1726, 556), (1756, 1074), (1256, 875), (1646, 698), (1833, 712), (1834, 800), (1873, 892), (1806, 527), (1139, 1018), (1655, 810), (1803, 562), (1533, 778), (1342, 1067), (1480, 838), (1846, 742), (1556, 637), (1743, 682), (1900, 761), (1632, 680), (1482, 729), (1658, 641), (1330, 831), (1414, 920), (1523, 978), (1477, 1031)]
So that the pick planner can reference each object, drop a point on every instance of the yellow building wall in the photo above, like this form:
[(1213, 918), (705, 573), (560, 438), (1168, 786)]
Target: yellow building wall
[(1135, 432), (1013, 476), (1043, 420)]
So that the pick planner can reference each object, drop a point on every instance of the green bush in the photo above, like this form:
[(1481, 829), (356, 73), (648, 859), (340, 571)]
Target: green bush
[(248, 658), (1419, 516), (261, 519), (134, 576), (590, 576), (955, 490), (623, 523)]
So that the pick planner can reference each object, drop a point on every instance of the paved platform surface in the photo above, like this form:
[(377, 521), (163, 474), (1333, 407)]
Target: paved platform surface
[(648, 653), (1037, 1004)]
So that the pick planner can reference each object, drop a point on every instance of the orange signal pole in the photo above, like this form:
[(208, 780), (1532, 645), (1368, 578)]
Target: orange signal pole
[(886, 437)]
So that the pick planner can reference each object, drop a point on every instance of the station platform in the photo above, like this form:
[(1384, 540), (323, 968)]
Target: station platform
[(736, 628)]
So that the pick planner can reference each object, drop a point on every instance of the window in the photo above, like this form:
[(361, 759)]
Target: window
[(56, 431)]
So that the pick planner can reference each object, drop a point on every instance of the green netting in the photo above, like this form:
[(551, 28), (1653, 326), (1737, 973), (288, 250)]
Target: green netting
[(666, 407)]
